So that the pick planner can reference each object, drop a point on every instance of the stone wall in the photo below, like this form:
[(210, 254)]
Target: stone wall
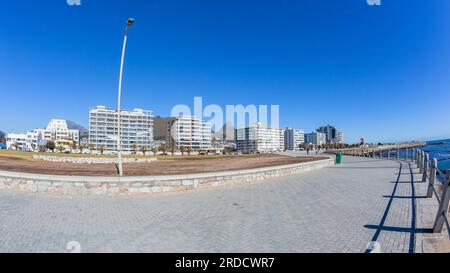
[(72, 185), (91, 160)]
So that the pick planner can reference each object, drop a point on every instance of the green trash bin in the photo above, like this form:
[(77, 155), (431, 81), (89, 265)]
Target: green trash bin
[(339, 158)]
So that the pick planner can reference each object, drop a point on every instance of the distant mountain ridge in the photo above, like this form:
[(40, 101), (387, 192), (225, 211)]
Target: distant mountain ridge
[(75, 126)]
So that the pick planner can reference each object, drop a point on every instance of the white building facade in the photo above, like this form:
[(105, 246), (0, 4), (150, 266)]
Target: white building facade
[(136, 128), (316, 138), (57, 131), (189, 131), (339, 137), (17, 142), (259, 138), (293, 138)]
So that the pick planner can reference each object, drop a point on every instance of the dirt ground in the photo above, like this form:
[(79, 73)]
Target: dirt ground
[(164, 166)]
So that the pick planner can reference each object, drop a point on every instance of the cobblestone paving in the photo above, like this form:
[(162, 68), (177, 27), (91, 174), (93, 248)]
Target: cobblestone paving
[(336, 209)]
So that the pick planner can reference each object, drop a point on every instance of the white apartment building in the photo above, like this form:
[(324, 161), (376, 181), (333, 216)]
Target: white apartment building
[(136, 128), (188, 131), (293, 138), (316, 138), (339, 137), (16, 142), (57, 130), (259, 138)]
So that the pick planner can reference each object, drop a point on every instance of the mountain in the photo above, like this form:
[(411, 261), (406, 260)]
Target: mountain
[(227, 132), (74, 126)]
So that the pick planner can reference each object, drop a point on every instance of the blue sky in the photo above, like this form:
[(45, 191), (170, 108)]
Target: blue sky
[(379, 72)]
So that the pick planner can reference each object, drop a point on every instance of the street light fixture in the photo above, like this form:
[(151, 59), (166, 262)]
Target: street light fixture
[(130, 22)]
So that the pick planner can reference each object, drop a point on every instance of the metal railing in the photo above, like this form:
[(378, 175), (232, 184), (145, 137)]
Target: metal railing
[(428, 169), (432, 174)]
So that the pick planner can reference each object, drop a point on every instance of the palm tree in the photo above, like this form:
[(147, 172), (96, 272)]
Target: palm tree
[(91, 148), (182, 150), (101, 149), (172, 151), (81, 147), (134, 148), (73, 146), (154, 150), (144, 150), (162, 148), (189, 150), (60, 148)]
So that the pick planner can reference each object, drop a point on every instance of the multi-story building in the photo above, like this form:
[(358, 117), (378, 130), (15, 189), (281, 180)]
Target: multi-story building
[(188, 131), (57, 130), (259, 138), (136, 128), (16, 142), (161, 130), (339, 137), (316, 138), (293, 138), (332, 134)]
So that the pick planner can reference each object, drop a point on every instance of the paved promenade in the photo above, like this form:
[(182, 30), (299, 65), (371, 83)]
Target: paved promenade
[(336, 209)]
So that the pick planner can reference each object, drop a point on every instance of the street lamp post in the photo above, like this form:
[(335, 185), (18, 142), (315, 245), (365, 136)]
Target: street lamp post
[(130, 22)]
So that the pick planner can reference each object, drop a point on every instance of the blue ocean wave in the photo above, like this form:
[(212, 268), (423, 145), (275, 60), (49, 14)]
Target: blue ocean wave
[(440, 151)]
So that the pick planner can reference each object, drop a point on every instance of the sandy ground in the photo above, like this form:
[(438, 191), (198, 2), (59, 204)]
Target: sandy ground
[(164, 166)]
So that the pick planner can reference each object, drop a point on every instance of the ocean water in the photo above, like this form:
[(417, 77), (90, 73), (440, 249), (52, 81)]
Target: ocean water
[(439, 149)]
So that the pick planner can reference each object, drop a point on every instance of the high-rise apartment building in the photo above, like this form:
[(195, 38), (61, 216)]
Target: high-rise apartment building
[(339, 137), (188, 131), (332, 134), (136, 128), (316, 138), (293, 138), (259, 138)]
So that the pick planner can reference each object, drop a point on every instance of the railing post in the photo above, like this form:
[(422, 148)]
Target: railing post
[(421, 162), (425, 167), (432, 178), (414, 155), (389, 154), (443, 206), (398, 153), (406, 154)]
